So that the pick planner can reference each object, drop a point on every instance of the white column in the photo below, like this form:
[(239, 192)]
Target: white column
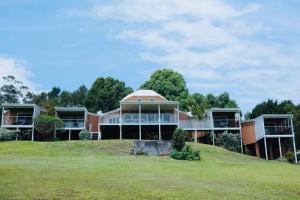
[(17, 133), (120, 122), (279, 142), (266, 148), (294, 144), (140, 121), (70, 134), (159, 128), (33, 116), (241, 136), (213, 134), (2, 116), (178, 116), (195, 137)]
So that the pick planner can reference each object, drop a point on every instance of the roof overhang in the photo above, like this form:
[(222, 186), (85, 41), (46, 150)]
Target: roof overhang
[(151, 105), (225, 110), (272, 116), (17, 105), (70, 109)]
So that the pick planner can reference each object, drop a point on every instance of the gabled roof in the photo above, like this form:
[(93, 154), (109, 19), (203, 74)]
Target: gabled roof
[(145, 93)]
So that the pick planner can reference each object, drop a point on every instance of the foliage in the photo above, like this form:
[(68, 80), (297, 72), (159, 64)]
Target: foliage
[(6, 135), (229, 141), (105, 94), (45, 124), (178, 140), (12, 90), (290, 157), (85, 135), (187, 153), (168, 83)]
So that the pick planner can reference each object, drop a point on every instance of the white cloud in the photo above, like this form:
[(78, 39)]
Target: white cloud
[(217, 46), (19, 69)]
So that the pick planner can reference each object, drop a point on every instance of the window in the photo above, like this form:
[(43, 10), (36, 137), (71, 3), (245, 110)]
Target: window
[(139, 99), (152, 99)]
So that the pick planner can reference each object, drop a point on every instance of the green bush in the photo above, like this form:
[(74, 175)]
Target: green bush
[(229, 141), (178, 140), (45, 124), (6, 135), (85, 135), (290, 157), (187, 153)]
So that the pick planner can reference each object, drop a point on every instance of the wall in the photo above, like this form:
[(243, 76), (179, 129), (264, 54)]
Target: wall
[(248, 132), (94, 121)]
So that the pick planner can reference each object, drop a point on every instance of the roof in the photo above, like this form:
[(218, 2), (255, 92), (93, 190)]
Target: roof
[(224, 110), (276, 116), (147, 93), (71, 109), (18, 105)]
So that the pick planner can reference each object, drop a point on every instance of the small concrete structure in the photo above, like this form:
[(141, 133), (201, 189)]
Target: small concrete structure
[(152, 147)]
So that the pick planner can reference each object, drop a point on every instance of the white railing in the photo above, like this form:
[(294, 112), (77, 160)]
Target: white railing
[(17, 120), (146, 118), (195, 124), (73, 123)]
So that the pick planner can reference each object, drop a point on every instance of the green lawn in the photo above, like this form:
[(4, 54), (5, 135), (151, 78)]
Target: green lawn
[(104, 170)]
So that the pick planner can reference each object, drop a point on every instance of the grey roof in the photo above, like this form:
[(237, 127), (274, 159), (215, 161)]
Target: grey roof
[(71, 109), (225, 110)]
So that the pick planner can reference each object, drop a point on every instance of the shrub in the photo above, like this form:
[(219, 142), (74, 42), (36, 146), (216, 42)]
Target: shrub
[(6, 135), (187, 153), (45, 124), (178, 140), (290, 157), (229, 141), (85, 135)]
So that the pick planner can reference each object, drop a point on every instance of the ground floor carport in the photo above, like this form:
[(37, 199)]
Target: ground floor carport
[(136, 132)]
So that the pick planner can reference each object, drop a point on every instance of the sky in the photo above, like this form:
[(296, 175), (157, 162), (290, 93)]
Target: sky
[(250, 49)]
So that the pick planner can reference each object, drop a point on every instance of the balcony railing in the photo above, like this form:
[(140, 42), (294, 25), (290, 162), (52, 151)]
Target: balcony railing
[(195, 124), (226, 123), (278, 130), (17, 120), (73, 123), (146, 118)]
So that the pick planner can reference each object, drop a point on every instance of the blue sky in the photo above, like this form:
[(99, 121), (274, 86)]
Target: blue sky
[(249, 48)]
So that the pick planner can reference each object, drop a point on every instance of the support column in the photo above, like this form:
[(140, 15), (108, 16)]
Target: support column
[(2, 116), (159, 128), (69, 134), (17, 133), (195, 136), (140, 126), (54, 132), (280, 152), (294, 144), (32, 134), (120, 122), (213, 135), (178, 116), (266, 148), (257, 150)]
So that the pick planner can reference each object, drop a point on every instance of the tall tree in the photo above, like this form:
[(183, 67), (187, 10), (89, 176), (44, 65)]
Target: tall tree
[(169, 84), (12, 91), (105, 94), (79, 96)]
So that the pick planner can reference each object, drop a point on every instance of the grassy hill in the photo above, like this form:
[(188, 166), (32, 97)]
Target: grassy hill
[(104, 170)]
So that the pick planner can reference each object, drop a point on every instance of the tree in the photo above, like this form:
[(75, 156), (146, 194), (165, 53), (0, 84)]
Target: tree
[(45, 124), (80, 95), (169, 84), (105, 94), (178, 140), (66, 99), (12, 91)]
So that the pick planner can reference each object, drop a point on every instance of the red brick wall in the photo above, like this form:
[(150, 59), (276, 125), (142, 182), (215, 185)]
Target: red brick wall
[(94, 120), (248, 132)]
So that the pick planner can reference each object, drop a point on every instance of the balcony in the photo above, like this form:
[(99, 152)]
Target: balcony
[(17, 121), (278, 130), (195, 124), (146, 118), (226, 123), (73, 123)]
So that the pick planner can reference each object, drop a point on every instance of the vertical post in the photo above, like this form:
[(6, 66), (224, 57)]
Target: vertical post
[(280, 152), (241, 136), (32, 133), (159, 128), (178, 116), (17, 133), (195, 136), (140, 126), (54, 132), (120, 122), (294, 144), (99, 131), (266, 148), (2, 116), (69, 134), (213, 134)]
